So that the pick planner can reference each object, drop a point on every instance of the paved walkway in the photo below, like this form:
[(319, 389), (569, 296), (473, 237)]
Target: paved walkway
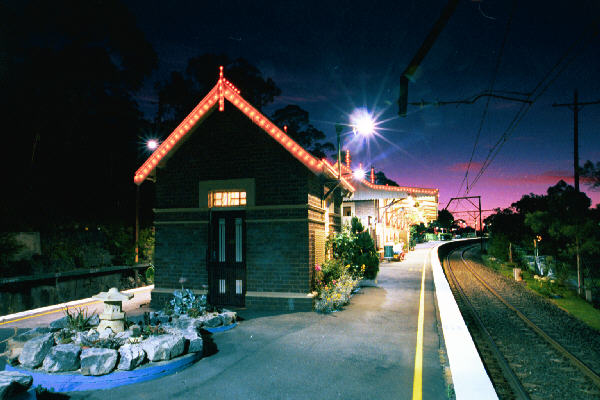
[(366, 351)]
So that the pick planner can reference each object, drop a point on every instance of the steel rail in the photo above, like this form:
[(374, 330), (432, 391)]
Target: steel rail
[(595, 378), (514, 382)]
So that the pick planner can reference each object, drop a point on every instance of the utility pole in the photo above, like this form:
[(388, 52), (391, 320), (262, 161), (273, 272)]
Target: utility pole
[(576, 106)]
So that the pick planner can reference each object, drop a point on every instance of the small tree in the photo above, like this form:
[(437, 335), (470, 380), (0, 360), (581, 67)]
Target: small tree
[(355, 247)]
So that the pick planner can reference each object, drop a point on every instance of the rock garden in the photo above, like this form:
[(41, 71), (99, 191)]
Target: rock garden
[(96, 345)]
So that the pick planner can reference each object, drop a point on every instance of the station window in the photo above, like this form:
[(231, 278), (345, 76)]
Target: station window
[(226, 199), (347, 211)]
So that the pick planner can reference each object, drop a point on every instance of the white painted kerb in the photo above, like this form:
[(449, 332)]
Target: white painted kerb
[(468, 374), (73, 303)]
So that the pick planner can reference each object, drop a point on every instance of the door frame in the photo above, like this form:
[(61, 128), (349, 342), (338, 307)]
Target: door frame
[(224, 272)]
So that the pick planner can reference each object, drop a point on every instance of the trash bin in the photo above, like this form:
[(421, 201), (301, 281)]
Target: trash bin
[(388, 251)]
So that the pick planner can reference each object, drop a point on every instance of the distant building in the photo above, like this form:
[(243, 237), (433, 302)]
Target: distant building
[(387, 211), (242, 210)]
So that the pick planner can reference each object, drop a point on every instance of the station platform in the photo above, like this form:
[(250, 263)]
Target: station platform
[(403, 339)]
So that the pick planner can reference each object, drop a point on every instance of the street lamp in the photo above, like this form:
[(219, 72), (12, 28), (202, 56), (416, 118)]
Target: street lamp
[(152, 144), (359, 173), (362, 122)]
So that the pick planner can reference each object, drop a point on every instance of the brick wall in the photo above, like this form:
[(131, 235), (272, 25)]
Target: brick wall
[(277, 257), (180, 254), (228, 146), (279, 254)]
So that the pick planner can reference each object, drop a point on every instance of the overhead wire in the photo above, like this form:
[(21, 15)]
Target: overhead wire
[(491, 89), (525, 107)]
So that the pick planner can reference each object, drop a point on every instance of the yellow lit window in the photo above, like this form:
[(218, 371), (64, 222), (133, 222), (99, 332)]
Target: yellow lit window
[(226, 199)]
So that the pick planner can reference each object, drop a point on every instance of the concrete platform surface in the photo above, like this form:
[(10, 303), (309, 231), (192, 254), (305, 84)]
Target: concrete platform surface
[(367, 351)]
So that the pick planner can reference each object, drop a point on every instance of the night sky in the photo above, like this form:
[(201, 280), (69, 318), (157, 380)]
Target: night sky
[(331, 57)]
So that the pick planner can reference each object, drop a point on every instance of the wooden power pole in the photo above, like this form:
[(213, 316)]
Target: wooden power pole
[(576, 106)]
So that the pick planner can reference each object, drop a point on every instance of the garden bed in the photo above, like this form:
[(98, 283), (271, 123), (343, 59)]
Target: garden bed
[(73, 354)]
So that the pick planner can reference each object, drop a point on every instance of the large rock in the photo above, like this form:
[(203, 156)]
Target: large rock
[(131, 356), (163, 347), (212, 321), (15, 344), (124, 335), (185, 322), (64, 357), (12, 383), (59, 324), (96, 361), (106, 333), (35, 350), (195, 343), (94, 320), (193, 340), (228, 317)]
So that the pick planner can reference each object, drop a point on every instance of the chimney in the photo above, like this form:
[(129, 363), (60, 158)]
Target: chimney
[(348, 159), (372, 174)]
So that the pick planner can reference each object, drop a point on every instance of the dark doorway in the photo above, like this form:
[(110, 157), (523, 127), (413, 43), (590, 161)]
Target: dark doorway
[(227, 258)]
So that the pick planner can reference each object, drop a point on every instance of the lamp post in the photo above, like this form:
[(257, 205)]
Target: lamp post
[(151, 145), (338, 131), (362, 124)]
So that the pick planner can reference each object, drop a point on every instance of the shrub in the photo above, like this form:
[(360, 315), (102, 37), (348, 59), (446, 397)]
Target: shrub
[(185, 300), (110, 342), (335, 294), (79, 320), (355, 247), (9, 247), (331, 270), (150, 274)]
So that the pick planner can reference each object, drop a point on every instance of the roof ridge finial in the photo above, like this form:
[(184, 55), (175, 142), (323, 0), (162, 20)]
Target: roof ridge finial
[(220, 72)]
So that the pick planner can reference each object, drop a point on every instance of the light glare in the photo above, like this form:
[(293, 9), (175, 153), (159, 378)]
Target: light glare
[(359, 173), (152, 144), (362, 122)]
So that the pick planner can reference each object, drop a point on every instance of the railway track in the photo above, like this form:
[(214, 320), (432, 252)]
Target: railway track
[(531, 348)]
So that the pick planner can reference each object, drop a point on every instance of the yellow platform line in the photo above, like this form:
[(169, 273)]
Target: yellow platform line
[(418, 375), (61, 309), (49, 312)]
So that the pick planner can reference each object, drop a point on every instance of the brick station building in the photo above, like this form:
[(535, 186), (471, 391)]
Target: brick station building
[(242, 211)]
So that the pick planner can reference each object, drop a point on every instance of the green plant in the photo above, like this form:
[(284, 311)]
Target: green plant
[(194, 312), (355, 247), (79, 320), (331, 270), (152, 330), (9, 246), (150, 274), (65, 336), (146, 245), (335, 294), (104, 343), (184, 300)]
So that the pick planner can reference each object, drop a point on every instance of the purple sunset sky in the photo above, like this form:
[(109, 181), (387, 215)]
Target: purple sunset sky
[(330, 57)]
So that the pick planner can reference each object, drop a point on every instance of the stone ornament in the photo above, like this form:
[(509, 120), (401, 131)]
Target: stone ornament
[(113, 316)]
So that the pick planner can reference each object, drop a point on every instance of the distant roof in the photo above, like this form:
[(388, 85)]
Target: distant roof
[(366, 190), (216, 96)]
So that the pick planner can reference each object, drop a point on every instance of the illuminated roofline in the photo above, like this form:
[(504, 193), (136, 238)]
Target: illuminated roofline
[(217, 95), (408, 189)]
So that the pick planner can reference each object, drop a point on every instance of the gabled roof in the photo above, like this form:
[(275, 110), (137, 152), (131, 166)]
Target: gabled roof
[(367, 190), (216, 96)]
